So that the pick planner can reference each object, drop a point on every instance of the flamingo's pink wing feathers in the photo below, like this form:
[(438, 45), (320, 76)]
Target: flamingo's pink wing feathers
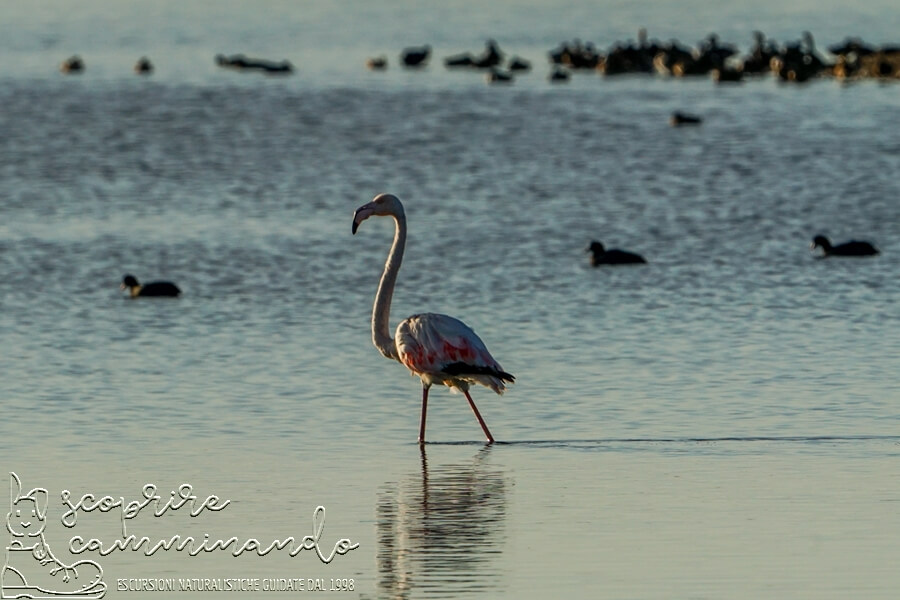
[(428, 343)]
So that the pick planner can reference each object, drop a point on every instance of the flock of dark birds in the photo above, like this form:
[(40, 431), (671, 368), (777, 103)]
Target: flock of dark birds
[(795, 61), (600, 256)]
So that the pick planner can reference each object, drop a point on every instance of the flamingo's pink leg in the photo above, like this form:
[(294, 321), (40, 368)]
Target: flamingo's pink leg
[(424, 409), (487, 432)]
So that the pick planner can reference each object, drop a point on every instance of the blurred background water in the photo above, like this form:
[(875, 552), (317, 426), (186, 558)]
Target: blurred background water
[(722, 422)]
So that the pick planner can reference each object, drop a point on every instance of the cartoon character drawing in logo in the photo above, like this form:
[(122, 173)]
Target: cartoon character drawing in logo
[(31, 570)]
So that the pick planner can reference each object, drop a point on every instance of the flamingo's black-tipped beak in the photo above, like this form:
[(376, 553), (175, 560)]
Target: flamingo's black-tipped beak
[(358, 218), (362, 213)]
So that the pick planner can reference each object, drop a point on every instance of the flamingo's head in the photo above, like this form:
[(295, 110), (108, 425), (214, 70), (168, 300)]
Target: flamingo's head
[(383, 205)]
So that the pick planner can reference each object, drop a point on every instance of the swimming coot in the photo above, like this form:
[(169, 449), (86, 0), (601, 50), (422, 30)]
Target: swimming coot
[(143, 66), (415, 56), (154, 288), (73, 64), (851, 248), (678, 118), (602, 256)]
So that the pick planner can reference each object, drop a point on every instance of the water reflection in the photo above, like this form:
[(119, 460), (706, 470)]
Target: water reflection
[(439, 530)]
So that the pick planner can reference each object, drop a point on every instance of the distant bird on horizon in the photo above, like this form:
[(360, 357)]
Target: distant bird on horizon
[(72, 65), (558, 74), (602, 256), (517, 63), (377, 63), (243, 63), (490, 58), (459, 60), (152, 289), (143, 66), (679, 118), (438, 348), (497, 76), (415, 56), (851, 248)]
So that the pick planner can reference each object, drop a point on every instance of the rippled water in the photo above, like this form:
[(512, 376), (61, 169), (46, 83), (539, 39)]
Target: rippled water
[(721, 422)]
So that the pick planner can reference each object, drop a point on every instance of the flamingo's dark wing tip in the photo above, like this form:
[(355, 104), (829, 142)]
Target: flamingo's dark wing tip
[(461, 368)]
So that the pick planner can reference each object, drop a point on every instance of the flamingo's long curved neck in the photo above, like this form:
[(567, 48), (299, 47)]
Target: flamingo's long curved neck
[(381, 311)]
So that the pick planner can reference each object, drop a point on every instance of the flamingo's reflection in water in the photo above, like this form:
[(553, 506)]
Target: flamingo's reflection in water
[(439, 531)]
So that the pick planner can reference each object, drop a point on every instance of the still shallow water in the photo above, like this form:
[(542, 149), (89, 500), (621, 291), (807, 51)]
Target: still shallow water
[(722, 422)]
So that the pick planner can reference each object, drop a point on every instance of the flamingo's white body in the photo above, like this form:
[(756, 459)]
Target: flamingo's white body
[(438, 348)]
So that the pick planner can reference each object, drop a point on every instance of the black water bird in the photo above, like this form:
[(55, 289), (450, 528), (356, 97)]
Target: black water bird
[(629, 57), (558, 75), (679, 118), (708, 56), (714, 54), (799, 61), (377, 63), (602, 256), (459, 60), (489, 58), (152, 289), (517, 63), (244, 63), (671, 58), (415, 56), (497, 76), (761, 54), (851, 248), (143, 66), (73, 64), (852, 45), (575, 55)]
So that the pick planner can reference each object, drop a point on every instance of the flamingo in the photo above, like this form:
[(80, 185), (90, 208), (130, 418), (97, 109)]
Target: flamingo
[(438, 348)]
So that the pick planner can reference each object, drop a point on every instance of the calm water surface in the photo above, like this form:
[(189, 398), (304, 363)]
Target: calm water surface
[(720, 423)]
